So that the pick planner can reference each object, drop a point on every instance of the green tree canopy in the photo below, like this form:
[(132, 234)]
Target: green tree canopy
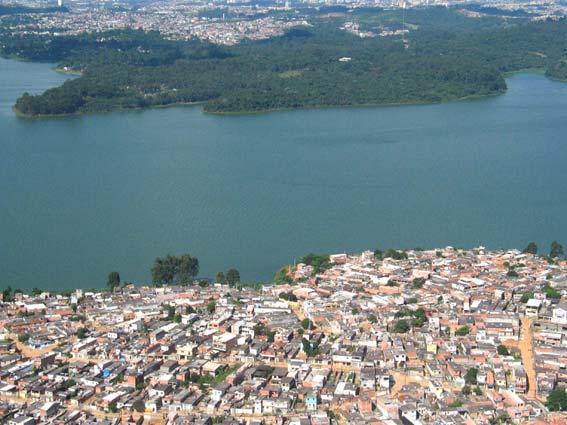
[(219, 278), (288, 296), (310, 348), (395, 254), (113, 280), (418, 283), (556, 250), (211, 306), (187, 268), (557, 400), (169, 310), (139, 405), (8, 294), (320, 263), (232, 277), (471, 376), (526, 296), (551, 292), (171, 269), (401, 326), (531, 248), (307, 324)]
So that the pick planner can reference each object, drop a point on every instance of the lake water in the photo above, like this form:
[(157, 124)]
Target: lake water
[(86, 195)]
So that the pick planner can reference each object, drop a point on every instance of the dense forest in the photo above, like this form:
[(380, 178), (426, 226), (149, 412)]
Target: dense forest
[(447, 57)]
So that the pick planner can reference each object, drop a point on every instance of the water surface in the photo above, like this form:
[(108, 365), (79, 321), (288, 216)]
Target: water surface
[(86, 195)]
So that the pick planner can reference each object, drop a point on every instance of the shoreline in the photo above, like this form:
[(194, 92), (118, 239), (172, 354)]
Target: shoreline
[(67, 72), (361, 105), (271, 280), (22, 115), (506, 75)]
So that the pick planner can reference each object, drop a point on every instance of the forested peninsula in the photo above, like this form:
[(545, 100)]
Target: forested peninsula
[(446, 56)]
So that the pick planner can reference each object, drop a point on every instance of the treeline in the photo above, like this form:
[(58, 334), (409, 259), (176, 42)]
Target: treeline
[(558, 71), (446, 60)]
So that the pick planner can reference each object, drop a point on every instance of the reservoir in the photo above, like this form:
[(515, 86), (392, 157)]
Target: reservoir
[(85, 195)]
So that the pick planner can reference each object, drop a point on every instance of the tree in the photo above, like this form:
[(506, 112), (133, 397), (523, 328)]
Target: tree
[(7, 294), (526, 296), (418, 282), (531, 248), (139, 405), (219, 277), (232, 277), (502, 419), (551, 292), (23, 338), (187, 268), (420, 318), (466, 390), (113, 281), (462, 331), (69, 383), (395, 254), (282, 276), (503, 350), (164, 270), (557, 400), (189, 310), (36, 291), (307, 324), (456, 404), (471, 376), (211, 306), (82, 333), (171, 269), (556, 250), (260, 329), (401, 326), (170, 310), (310, 348), (288, 296), (320, 263)]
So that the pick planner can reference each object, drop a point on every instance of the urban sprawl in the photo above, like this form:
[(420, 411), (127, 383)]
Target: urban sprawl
[(221, 22), (446, 336)]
